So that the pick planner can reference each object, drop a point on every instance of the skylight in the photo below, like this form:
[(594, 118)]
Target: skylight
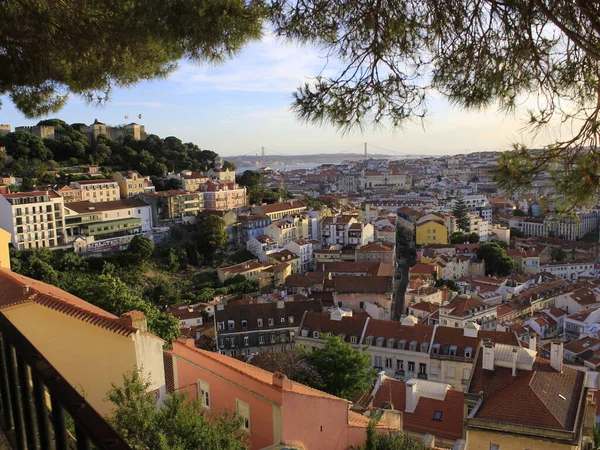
[(437, 415)]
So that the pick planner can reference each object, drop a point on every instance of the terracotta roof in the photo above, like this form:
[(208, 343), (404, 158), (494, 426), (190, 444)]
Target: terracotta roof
[(584, 296), (260, 375), (87, 207), (450, 424), (583, 344), (369, 268), (280, 207), (12, 292), (350, 283), (540, 398), (422, 268), (100, 181), (448, 336), (347, 327), (461, 305), (390, 329), (242, 267), (425, 306)]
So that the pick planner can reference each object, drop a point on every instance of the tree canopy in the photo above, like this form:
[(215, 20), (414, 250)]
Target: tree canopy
[(497, 262), (179, 424), (459, 211), (344, 371), (394, 57)]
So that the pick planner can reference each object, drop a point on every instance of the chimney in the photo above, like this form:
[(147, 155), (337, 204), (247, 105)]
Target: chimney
[(412, 395), (136, 319), (281, 381), (515, 353), (488, 356), (533, 342), (25, 289), (556, 355)]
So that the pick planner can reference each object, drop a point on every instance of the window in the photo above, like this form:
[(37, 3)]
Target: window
[(272, 338), (261, 338), (400, 364), (220, 326), (243, 409), (378, 361), (437, 415), (451, 372), (433, 369), (411, 366), (283, 320), (230, 324), (353, 339), (204, 394), (246, 341), (388, 363), (260, 323), (316, 334), (271, 322), (244, 324), (422, 369), (291, 319)]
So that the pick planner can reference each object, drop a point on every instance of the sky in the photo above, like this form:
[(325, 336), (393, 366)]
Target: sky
[(237, 107)]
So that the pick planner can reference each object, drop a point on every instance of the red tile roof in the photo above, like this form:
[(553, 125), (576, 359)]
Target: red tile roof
[(348, 326), (540, 398), (12, 292), (450, 425)]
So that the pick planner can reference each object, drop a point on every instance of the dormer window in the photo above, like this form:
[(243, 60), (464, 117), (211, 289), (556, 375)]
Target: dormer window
[(424, 347), (291, 319), (353, 340), (452, 351), (244, 324), (316, 334), (260, 323), (413, 346), (468, 352), (230, 324), (390, 343), (369, 340), (283, 320), (436, 349), (220, 326), (379, 342), (271, 322), (402, 344)]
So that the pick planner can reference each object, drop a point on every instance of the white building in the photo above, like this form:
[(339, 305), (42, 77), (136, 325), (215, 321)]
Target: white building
[(34, 219), (304, 249), (569, 270)]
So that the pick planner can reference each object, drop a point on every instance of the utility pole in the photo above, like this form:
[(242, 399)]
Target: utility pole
[(262, 157), (365, 151)]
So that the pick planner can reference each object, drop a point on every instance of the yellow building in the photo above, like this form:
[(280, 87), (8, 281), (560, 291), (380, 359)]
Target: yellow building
[(131, 183), (431, 232), (251, 270), (94, 191), (4, 253), (90, 347)]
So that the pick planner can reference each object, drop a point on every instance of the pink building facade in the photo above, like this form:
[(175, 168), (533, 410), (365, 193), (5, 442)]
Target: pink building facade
[(274, 409)]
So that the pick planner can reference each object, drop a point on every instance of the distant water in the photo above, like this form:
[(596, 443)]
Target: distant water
[(283, 167)]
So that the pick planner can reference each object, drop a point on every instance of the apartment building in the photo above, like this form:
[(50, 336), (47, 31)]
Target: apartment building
[(304, 249), (463, 309), (252, 226), (335, 230), (190, 181), (568, 270), (360, 234), (277, 211), (262, 246), (282, 232), (132, 184), (379, 251), (581, 323), (69, 194), (223, 195), (92, 226), (103, 190), (174, 206), (251, 270), (431, 229), (244, 329), (384, 181), (34, 219)]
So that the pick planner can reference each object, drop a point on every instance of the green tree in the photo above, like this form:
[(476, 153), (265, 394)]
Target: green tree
[(293, 363), (497, 262), (197, 30), (393, 440), (519, 213), (459, 238), (228, 165), (210, 235), (140, 249), (179, 424), (459, 210), (558, 254), (451, 284), (345, 371), (473, 238)]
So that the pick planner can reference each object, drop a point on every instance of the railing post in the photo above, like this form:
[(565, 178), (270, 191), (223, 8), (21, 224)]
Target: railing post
[(41, 412), (26, 401), (83, 443), (58, 422), (15, 400), (4, 390)]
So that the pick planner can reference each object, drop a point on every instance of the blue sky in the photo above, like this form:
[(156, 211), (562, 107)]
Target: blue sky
[(237, 107)]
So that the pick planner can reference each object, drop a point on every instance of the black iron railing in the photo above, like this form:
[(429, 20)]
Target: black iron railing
[(34, 398)]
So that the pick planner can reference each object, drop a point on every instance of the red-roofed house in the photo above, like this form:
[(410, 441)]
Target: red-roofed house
[(274, 409)]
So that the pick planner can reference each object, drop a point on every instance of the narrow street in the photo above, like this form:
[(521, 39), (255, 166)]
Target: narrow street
[(405, 258)]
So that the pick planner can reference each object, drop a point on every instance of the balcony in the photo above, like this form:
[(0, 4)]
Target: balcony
[(422, 376), (400, 372), (35, 398)]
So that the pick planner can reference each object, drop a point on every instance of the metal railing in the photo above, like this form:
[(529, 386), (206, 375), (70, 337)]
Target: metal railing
[(34, 398)]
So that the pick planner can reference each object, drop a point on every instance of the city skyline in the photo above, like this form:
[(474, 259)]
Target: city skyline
[(251, 95)]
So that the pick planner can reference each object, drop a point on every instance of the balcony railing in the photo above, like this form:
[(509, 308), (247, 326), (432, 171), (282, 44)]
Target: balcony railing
[(34, 398)]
